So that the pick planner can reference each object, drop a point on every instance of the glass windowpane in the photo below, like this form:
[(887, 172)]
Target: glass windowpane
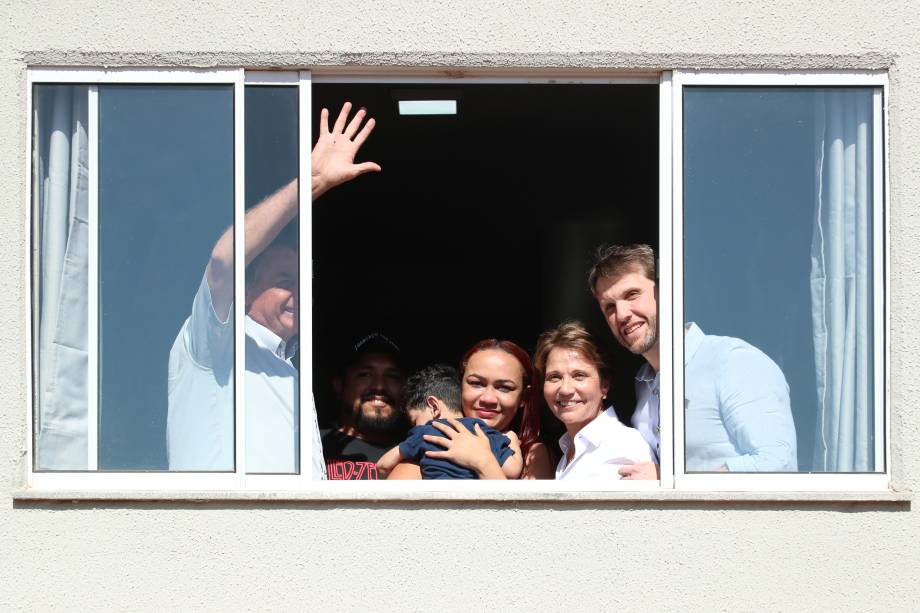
[(165, 195), (272, 321), (778, 279)]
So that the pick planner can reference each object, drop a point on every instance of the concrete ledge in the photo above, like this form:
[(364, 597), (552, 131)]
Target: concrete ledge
[(556, 497), (447, 62)]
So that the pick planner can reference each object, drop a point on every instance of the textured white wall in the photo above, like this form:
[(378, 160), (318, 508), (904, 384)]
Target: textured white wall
[(666, 556)]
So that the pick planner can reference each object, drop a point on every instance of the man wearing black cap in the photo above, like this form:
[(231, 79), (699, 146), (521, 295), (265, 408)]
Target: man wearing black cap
[(370, 391)]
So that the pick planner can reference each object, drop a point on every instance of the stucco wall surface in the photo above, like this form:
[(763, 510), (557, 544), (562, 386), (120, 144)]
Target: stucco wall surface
[(409, 556)]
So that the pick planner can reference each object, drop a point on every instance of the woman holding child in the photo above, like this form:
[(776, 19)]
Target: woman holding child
[(498, 388)]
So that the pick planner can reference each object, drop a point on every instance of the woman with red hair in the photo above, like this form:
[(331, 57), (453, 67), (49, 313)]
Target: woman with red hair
[(498, 387)]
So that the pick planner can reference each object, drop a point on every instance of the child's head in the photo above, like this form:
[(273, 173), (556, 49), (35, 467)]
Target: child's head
[(433, 392)]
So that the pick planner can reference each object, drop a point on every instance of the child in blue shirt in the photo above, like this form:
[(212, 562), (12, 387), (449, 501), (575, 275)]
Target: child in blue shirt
[(433, 394)]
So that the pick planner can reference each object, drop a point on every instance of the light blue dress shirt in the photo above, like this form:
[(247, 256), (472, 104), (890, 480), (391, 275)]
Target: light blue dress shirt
[(200, 419), (737, 412), (647, 417)]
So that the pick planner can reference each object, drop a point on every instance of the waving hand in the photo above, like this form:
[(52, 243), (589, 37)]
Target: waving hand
[(333, 158)]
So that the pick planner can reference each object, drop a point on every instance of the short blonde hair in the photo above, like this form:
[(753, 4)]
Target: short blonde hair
[(570, 335)]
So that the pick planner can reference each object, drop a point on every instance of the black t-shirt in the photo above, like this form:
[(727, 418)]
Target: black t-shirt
[(349, 458)]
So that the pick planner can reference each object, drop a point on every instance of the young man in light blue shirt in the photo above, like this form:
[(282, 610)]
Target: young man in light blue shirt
[(737, 414)]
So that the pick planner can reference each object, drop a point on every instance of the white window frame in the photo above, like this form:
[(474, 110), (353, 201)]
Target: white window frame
[(673, 478), (87, 480)]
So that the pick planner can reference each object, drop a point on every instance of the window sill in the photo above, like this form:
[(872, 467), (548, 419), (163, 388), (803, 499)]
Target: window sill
[(447, 495)]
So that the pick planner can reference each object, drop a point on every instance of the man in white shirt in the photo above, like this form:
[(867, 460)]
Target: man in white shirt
[(201, 395)]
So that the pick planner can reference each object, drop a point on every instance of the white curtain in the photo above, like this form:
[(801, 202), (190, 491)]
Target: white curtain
[(840, 281), (60, 192)]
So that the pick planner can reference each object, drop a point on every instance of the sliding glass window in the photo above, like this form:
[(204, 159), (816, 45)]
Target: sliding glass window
[(132, 187), (782, 299)]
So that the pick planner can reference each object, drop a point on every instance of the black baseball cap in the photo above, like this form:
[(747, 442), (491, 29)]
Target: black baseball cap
[(373, 342)]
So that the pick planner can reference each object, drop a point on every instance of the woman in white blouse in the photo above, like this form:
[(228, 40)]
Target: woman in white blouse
[(575, 386)]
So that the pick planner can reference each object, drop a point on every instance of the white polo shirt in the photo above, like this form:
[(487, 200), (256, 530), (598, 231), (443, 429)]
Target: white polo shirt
[(200, 417), (601, 448)]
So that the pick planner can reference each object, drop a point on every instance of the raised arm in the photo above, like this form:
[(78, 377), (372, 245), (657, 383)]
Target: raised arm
[(333, 163)]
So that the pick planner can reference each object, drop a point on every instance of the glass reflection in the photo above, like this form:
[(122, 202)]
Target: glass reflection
[(165, 195), (272, 282), (778, 279)]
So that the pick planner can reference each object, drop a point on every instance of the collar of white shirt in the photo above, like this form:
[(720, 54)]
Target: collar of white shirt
[(267, 339), (592, 434)]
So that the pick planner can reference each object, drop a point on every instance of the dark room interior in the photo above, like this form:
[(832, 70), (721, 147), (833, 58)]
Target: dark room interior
[(481, 224)]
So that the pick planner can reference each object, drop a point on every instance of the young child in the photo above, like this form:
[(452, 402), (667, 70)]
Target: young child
[(433, 394)]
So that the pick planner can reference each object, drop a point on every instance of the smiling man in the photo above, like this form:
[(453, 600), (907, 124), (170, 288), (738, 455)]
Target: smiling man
[(370, 390), (737, 413), (201, 394)]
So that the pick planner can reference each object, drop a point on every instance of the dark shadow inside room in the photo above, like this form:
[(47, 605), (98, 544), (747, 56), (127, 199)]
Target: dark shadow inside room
[(481, 224)]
